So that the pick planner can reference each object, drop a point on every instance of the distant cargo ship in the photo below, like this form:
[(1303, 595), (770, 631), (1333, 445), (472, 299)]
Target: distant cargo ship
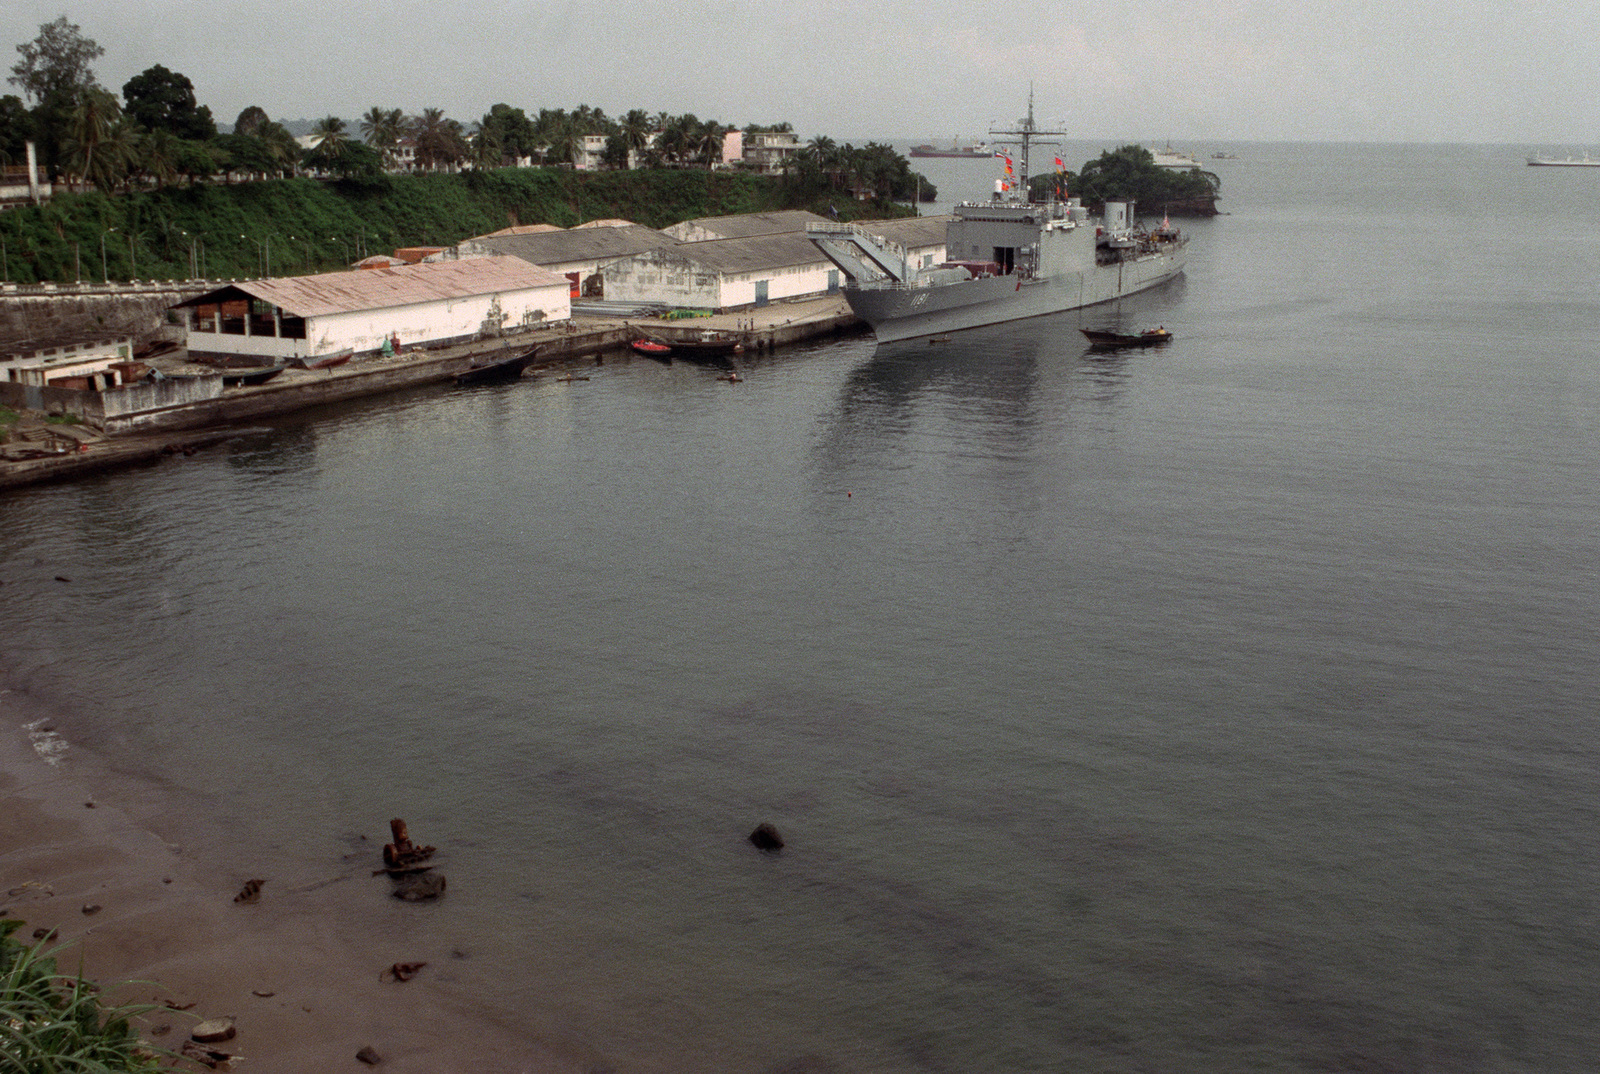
[(1568, 162), (981, 150)]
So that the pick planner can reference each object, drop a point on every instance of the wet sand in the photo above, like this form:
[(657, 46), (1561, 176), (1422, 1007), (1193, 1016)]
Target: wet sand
[(301, 971)]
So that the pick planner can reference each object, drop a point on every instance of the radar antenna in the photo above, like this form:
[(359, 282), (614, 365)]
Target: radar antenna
[(1027, 136)]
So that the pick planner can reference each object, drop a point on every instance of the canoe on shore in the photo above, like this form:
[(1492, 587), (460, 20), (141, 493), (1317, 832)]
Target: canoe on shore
[(500, 370), (250, 376), (327, 361)]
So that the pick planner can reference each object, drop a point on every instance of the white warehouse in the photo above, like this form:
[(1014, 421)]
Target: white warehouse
[(311, 317)]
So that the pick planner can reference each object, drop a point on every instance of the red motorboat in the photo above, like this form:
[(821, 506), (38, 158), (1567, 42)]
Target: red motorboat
[(651, 348)]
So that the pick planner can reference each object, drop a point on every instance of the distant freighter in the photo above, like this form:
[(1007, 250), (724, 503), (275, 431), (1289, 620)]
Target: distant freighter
[(980, 150), (1569, 162)]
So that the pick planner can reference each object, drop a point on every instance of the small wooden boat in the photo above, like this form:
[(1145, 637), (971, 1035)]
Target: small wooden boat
[(1148, 338), (249, 376), (327, 361), (502, 369), (651, 348)]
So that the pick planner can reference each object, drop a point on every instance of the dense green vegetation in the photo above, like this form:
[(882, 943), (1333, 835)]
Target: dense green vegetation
[(1131, 172), (162, 195), (224, 230), (53, 1022)]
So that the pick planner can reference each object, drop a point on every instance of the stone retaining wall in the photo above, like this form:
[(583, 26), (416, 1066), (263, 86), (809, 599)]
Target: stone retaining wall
[(43, 311)]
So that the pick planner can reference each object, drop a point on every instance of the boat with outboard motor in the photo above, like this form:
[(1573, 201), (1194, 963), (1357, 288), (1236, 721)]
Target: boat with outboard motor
[(1007, 258), (1150, 337)]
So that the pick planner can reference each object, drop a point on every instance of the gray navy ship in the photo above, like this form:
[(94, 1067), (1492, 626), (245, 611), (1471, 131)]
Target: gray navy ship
[(1007, 258)]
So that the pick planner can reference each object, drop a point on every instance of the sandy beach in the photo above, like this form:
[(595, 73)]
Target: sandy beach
[(302, 971)]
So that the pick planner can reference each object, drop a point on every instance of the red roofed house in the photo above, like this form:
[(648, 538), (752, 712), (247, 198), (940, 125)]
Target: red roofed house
[(262, 322)]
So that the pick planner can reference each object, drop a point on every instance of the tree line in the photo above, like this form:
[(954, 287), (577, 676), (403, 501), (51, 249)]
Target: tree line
[(1131, 171), (157, 134)]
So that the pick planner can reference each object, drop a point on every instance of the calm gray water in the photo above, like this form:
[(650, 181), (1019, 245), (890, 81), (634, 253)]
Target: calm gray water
[(1226, 707)]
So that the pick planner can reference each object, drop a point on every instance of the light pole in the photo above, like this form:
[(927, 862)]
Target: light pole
[(260, 249), (194, 266)]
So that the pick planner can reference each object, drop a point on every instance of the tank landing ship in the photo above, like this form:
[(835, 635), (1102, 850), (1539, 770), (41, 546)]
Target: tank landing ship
[(1009, 258), (1008, 261)]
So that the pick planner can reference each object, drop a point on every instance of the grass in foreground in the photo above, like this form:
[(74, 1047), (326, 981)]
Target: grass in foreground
[(54, 1023)]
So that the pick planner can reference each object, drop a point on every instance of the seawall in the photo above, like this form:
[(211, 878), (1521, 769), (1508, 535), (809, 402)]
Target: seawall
[(150, 434), (48, 310)]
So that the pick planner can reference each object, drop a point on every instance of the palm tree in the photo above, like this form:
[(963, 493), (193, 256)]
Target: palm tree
[(708, 142), (680, 138), (159, 157), (330, 131), (636, 129), (440, 141), (486, 149), (382, 129), (589, 120), (92, 120), (822, 153), (329, 147), (280, 145)]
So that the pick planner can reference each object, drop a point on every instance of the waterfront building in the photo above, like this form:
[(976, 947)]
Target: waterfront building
[(750, 261), (312, 317), (578, 253), (723, 274), (67, 362)]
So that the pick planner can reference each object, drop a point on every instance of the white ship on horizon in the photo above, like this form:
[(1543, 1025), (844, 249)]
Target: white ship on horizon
[(1566, 162)]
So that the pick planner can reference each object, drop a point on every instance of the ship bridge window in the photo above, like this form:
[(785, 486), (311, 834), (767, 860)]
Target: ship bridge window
[(1006, 258)]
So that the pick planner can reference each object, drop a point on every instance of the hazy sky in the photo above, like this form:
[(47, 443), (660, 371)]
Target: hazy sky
[(1514, 71)]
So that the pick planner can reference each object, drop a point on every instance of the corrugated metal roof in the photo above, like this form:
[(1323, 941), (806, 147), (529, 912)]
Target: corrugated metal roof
[(560, 247), (520, 229), (748, 225), (754, 254), (383, 288), (909, 231)]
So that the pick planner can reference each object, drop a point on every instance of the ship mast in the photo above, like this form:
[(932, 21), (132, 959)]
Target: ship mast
[(1029, 135)]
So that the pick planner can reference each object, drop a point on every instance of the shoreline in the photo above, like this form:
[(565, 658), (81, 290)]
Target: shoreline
[(301, 971), (180, 429)]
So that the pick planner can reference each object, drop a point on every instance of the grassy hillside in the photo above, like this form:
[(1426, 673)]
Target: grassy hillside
[(227, 230)]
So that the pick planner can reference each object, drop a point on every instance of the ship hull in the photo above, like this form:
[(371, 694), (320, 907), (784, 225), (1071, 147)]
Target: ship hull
[(897, 313)]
